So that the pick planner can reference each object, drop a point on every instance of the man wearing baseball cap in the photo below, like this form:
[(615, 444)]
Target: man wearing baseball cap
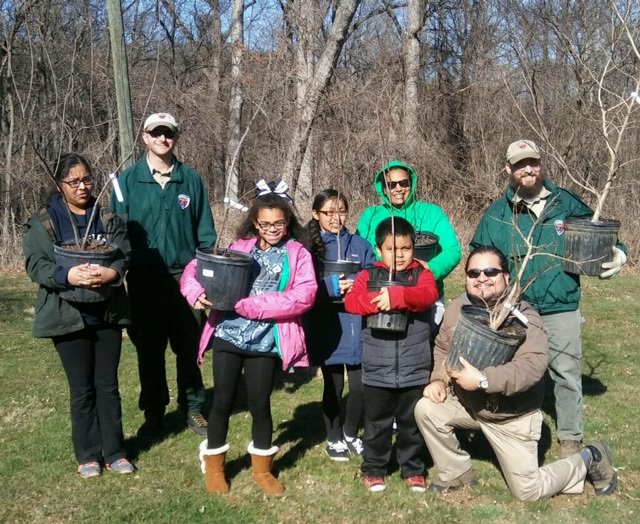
[(532, 202), (169, 216)]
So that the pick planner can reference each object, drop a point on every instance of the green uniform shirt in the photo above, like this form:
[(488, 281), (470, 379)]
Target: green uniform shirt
[(165, 225), (548, 287)]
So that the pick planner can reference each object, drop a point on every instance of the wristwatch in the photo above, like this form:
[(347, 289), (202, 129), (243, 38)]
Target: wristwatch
[(484, 382)]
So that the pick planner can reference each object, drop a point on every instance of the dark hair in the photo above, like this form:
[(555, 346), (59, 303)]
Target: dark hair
[(66, 163), (247, 228), (402, 229), (313, 226), (483, 250)]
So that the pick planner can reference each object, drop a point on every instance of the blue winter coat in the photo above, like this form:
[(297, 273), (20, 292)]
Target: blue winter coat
[(334, 336)]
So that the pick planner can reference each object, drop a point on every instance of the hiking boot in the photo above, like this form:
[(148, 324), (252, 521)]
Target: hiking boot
[(337, 451), (601, 472), (468, 478), (416, 483), (197, 423), (89, 470), (373, 484), (566, 448), (354, 444), (122, 466)]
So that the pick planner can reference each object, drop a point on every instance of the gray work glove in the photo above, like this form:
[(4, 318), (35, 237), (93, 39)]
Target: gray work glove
[(614, 267)]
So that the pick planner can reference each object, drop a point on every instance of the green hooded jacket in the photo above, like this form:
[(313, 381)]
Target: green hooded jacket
[(423, 216), (548, 287)]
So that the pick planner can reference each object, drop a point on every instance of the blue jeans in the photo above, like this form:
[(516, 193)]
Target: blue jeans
[(565, 358)]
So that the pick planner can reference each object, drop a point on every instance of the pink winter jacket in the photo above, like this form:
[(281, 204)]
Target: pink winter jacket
[(285, 307)]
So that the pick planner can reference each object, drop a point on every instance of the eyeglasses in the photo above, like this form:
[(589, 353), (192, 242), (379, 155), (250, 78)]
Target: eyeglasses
[(404, 183), (75, 183), (266, 226), (162, 131), (489, 272), (332, 213)]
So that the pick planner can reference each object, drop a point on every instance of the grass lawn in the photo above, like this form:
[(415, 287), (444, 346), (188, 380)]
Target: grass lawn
[(37, 467)]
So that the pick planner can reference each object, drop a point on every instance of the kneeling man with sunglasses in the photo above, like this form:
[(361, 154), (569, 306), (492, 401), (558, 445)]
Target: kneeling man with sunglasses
[(503, 402)]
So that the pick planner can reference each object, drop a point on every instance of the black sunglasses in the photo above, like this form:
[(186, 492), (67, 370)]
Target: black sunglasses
[(489, 272), (405, 183), (162, 131)]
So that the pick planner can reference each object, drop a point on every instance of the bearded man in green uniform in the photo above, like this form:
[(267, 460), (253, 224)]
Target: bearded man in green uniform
[(169, 216), (531, 202)]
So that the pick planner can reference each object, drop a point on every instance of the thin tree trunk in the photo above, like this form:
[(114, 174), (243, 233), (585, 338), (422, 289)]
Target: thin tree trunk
[(415, 22), (236, 102), (307, 110)]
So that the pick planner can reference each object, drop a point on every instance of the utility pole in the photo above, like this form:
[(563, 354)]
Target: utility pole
[(121, 79)]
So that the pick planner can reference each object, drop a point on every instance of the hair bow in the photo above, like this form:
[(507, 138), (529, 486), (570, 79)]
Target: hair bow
[(280, 188)]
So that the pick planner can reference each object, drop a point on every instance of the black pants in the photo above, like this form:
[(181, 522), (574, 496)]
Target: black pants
[(259, 373), (332, 401), (381, 406), (90, 359), (160, 314)]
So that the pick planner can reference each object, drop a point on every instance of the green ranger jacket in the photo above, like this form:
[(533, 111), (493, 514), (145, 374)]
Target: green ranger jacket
[(165, 225), (423, 216), (547, 286), (54, 316)]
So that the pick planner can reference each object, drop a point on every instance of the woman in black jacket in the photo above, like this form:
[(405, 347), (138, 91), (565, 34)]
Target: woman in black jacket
[(86, 334)]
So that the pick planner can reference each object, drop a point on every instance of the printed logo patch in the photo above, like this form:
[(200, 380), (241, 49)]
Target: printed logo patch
[(184, 201), (559, 225)]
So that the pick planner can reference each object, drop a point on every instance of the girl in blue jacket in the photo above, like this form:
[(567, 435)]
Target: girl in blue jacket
[(334, 336)]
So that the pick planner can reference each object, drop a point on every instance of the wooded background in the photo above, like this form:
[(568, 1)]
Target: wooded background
[(322, 93)]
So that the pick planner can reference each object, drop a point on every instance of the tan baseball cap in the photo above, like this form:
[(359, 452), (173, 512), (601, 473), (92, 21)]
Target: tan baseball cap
[(521, 149), (160, 119)]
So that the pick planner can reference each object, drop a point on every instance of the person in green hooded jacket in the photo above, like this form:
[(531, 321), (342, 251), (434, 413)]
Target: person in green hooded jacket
[(396, 184)]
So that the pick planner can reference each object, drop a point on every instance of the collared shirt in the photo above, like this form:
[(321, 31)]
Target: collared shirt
[(536, 204), (161, 178)]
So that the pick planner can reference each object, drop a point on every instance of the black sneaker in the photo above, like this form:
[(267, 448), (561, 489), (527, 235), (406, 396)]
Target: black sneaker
[(337, 451), (354, 445), (601, 472), (197, 423)]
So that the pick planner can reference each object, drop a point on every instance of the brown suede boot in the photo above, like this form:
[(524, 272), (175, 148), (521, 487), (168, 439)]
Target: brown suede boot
[(261, 461), (212, 465)]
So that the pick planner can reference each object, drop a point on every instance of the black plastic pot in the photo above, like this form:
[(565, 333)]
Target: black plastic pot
[(390, 321), (67, 255), (588, 244), (480, 345), (427, 246), (224, 275), (338, 267)]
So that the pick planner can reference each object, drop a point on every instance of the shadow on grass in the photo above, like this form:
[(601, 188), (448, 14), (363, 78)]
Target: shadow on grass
[(172, 424), (305, 429)]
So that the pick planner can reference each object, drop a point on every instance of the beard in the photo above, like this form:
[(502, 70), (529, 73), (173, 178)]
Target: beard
[(528, 192)]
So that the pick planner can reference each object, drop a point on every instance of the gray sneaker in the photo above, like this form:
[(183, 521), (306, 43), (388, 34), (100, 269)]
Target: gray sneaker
[(89, 470), (601, 472), (122, 465)]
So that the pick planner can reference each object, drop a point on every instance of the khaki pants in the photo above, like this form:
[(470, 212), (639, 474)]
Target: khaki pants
[(514, 442)]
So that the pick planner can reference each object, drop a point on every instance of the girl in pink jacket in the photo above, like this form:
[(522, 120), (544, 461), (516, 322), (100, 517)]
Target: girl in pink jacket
[(263, 332)]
